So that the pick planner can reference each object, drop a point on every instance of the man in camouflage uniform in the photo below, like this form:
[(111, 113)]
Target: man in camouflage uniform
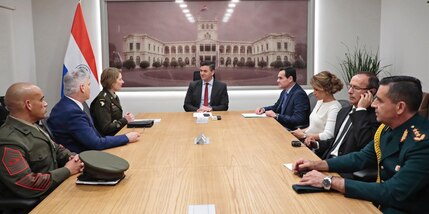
[(32, 165), (400, 150)]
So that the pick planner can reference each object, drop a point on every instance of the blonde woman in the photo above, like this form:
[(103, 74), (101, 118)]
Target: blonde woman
[(324, 114)]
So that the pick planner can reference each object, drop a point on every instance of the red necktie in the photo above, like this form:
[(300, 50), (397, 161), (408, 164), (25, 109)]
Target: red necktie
[(206, 95)]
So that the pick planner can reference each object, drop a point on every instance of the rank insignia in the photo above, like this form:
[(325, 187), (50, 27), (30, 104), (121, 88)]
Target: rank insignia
[(397, 168), (404, 136), (418, 136)]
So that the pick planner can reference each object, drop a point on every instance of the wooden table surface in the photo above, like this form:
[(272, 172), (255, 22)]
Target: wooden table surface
[(240, 171)]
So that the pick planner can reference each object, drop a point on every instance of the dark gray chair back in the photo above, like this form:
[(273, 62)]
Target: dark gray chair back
[(198, 77), (313, 101), (344, 103), (3, 111)]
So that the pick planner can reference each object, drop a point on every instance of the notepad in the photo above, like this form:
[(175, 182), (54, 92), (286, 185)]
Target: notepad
[(253, 115)]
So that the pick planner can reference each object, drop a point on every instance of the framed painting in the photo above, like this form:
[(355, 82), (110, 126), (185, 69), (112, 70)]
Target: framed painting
[(162, 43)]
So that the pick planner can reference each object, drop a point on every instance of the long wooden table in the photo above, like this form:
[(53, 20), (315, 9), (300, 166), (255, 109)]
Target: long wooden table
[(240, 171)]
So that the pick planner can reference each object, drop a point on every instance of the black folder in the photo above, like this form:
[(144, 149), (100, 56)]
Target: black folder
[(140, 124), (307, 189)]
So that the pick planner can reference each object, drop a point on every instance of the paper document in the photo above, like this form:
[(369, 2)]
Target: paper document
[(202, 209), (154, 120), (253, 115), (288, 165), (202, 114)]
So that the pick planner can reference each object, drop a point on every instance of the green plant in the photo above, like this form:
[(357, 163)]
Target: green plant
[(360, 59)]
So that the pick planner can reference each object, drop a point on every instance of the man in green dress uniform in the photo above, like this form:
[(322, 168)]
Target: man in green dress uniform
[(400, 149), (32, 164)]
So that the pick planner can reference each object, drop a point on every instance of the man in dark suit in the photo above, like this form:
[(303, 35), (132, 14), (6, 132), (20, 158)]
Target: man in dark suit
[(400, 151), (292, 109), (206, 94), (356, 124), (70, 124)]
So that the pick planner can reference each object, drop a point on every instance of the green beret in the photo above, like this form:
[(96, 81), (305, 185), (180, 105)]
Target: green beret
[(103, 166)]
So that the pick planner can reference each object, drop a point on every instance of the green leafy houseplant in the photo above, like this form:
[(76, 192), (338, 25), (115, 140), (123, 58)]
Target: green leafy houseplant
[(360, 60)]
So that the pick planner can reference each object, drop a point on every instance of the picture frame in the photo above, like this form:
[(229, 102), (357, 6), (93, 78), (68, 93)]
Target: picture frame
[(248, 48)]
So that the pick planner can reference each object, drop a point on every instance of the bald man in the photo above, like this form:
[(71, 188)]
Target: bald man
[(32, 164)]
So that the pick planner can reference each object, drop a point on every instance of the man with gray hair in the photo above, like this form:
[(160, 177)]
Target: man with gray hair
[(70, 124)]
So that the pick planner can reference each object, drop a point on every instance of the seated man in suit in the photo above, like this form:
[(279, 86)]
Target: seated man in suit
[(400, 151), (292, 109), (32, 163), (206, 94), (72, 127), (356, 124)]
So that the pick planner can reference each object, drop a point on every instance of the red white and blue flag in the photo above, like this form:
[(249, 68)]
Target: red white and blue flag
[(79, 53)]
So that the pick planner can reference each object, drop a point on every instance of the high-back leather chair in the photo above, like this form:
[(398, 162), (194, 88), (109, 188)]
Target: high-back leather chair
[(17, 205), (3, 111), (198, 77), (313, 101), (424, 105)]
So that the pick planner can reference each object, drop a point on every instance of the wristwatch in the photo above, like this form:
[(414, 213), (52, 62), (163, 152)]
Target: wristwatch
[(327, 182)]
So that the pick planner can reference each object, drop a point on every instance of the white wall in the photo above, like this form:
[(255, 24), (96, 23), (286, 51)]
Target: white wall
[(52, 26), (404, 38), (340, 23), (401, 25), (17, 59)]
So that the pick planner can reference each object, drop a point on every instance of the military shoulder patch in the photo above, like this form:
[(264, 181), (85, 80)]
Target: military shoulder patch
[(404, 136), (13, 161), (418, 136), (102, 102)]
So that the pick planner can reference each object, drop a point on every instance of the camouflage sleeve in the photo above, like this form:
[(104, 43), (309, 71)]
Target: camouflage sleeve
[(17, 176)]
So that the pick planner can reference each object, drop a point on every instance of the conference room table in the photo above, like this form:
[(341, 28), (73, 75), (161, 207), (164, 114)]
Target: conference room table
[(240, 171)]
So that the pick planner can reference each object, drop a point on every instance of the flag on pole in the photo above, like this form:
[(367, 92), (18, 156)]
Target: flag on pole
[(79, 53)]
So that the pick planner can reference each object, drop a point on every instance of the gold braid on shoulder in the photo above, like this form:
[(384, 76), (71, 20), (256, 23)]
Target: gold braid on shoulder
[(377, 149)]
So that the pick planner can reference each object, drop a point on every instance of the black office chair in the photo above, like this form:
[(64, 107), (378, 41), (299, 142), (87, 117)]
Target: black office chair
[(198, 77), (3, 111), (424, 106), (17, 205), (344, 103), (313, 101)]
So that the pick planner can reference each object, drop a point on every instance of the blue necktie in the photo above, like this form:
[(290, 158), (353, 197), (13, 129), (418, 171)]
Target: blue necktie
[(284, 103)]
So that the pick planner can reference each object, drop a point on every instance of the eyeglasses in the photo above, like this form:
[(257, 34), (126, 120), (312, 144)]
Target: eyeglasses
[(356, 88)]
